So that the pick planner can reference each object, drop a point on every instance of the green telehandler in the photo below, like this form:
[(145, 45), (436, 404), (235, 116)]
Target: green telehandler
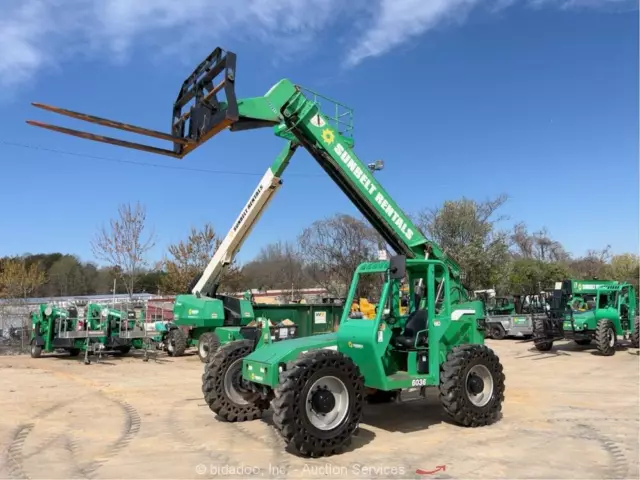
[(316, 385), (589, 311)]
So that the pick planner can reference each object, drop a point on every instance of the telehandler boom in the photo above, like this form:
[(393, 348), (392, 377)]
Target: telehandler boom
[(316, 385)]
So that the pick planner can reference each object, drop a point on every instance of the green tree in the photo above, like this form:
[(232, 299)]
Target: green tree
[(18, 279), (626, 268), (466, 230), (530, 276), (66, 277)]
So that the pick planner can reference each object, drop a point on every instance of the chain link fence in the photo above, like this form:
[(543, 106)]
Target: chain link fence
[(15, 327)]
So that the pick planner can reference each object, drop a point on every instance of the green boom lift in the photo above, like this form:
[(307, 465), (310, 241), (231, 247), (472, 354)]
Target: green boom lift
[(99, 328), (316, 385)]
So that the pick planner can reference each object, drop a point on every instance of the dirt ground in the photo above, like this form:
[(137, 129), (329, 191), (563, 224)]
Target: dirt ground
[(568, 414)]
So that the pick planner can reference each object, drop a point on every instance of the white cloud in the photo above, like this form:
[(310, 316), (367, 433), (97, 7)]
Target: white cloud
[(38, 34), (398, 21)]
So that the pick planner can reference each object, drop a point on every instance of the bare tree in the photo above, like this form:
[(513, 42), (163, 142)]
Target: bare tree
[(124, 244), (279, 265), (593, 265), (538, 245), (190, 257), (334, 247)]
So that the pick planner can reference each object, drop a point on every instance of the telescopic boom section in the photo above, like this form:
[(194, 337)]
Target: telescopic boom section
[(312, 129), (242, 226)]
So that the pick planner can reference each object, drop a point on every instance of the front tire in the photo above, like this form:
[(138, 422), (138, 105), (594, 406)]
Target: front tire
[(208, 344), (318, 403), (224, 389), (176, 343), (635, 335), (606, 337), (540, 338), (472, 385)]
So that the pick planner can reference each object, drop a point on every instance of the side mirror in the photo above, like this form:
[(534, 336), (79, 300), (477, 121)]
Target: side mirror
[(398, 267)]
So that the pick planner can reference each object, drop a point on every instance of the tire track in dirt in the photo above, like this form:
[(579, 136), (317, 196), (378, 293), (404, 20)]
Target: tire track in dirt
[(619, 464), (14, 453), (131, 427), (14, 457), (270, 438), (180, 434), (56, 436)]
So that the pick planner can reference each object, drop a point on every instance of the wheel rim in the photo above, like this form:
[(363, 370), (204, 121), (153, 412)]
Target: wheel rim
[(233, 383), (327, 403), (479, 385), (170, 345), (612, 337), (204, 350)]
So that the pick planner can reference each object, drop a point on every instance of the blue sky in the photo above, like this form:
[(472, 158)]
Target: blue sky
[(535, 99)]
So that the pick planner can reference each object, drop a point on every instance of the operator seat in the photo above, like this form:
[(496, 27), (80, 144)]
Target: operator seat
[(417, 321)]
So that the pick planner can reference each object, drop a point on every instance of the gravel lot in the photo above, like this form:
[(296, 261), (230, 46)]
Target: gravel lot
[(568, 413)]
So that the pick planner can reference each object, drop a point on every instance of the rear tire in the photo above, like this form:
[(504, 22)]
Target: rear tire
[(318, 404), (222, 384), (606, 337), (36, 351), (472, 385), (540, 338), (208, 344), (176, 343), (496, 332), (635, 335)]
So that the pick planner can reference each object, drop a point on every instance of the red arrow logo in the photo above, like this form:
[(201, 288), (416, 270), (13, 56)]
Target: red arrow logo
[(439, 468)]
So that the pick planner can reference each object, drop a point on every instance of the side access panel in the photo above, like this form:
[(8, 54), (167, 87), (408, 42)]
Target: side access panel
[(262, 365), (514, 325)]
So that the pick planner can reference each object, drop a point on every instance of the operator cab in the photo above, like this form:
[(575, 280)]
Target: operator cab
[(414, 334)]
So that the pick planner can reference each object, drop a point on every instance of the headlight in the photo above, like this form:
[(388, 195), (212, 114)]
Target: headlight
[(292, 331), (104, 312)]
